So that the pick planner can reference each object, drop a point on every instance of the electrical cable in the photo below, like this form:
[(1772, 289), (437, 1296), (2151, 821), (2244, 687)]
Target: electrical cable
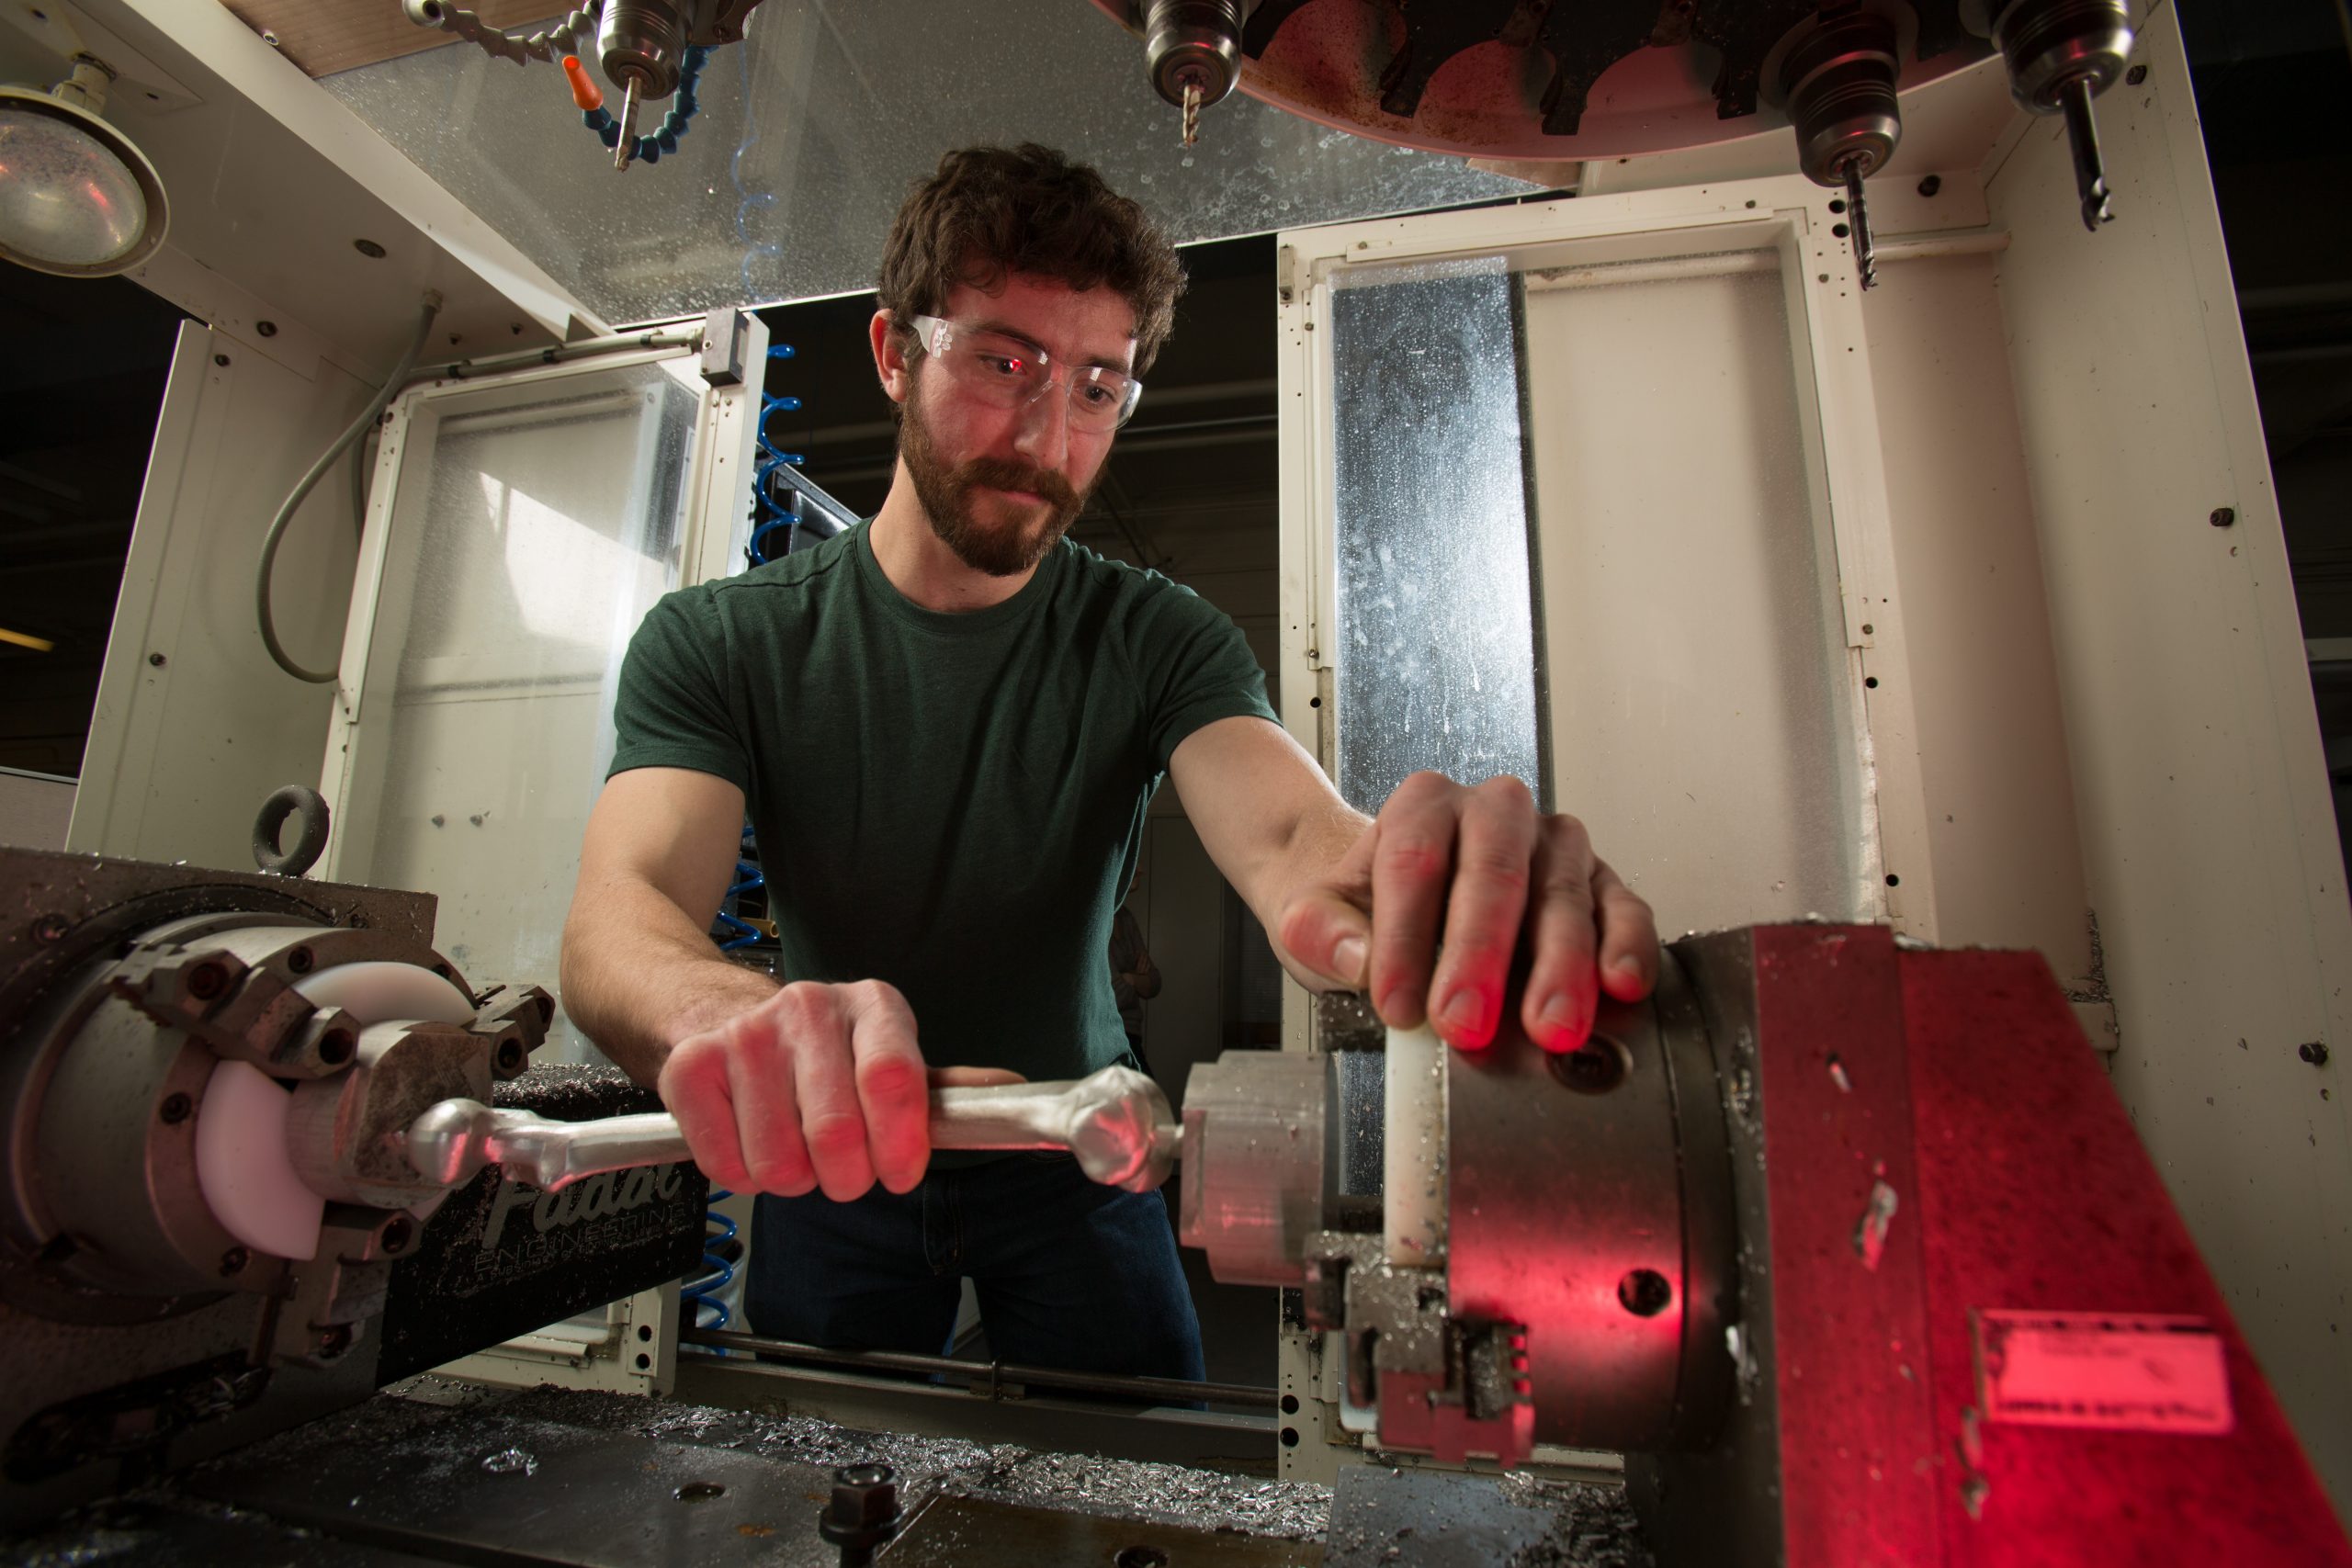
[(309, 481)]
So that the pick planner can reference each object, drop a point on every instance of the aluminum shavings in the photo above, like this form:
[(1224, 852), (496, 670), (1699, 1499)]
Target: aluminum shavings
[(1297, 1510), (511, 1462)]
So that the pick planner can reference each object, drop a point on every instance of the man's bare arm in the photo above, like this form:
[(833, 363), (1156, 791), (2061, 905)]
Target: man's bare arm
[(1362, 903), (641, 972), (1269, 819)]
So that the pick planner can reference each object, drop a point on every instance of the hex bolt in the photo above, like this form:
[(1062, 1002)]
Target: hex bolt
[(863, 1514), (175, 1108), (207, 981), (2224, 517), (50, 928), (2314, 1052), (233, 1261)]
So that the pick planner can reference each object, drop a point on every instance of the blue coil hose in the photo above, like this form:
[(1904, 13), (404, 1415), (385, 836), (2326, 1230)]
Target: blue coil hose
[(706, 1290), (648, 149)]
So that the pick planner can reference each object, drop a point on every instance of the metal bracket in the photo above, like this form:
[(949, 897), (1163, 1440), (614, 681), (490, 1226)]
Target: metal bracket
[(725, 333)]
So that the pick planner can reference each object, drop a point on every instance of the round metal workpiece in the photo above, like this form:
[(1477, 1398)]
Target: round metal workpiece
[(1253, 1175), (1838, 82), (1193, 44), (2050, 45), (1601, 1221), (641, 42)]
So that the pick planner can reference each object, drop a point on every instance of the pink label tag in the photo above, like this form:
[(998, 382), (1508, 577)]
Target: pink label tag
[(2131, 1371)]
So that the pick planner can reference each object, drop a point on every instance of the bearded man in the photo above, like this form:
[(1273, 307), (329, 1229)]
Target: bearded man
[(979, 711)]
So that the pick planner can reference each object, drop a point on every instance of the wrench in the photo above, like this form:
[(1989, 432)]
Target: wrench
[(1115, 1121)]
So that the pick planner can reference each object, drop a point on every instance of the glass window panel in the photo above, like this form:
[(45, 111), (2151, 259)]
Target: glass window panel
[(847, 105), (546, 530)]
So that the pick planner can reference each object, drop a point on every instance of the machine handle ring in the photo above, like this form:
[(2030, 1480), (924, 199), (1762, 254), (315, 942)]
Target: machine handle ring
[(312, 808)]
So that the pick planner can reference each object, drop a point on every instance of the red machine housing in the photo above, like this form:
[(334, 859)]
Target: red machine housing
[(1977, 1332)]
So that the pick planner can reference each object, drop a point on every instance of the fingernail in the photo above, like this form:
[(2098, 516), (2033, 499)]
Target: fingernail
[(1558, 1018), (1347, 957), (1465, 1013)]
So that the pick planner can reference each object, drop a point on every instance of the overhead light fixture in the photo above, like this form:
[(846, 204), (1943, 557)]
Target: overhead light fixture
[(77, 196), (27, 640)]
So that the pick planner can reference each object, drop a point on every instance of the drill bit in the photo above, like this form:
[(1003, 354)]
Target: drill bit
[(1192, 114), (2082, 134), (1857, 218), (624, 149)]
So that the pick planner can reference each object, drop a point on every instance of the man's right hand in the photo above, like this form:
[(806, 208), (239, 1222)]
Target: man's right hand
[(819, 1086)]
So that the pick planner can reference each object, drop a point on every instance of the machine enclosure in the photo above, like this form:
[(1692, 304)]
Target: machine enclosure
[(1922, 1142)]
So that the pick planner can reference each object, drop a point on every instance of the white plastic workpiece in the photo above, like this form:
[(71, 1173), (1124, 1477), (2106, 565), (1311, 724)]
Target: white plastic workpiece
[(242, 1165), (377, 990), (1413, 1143), (243, 1168)]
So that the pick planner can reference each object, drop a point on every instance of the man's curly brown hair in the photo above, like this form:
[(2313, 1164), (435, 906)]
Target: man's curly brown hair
[(988, 212)]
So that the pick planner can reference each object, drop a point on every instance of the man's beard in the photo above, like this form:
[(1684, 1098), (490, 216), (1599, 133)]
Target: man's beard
[(947, 494)]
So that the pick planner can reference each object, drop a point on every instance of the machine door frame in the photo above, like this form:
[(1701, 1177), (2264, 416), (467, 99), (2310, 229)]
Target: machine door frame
[(718, 469), (1726, 227)]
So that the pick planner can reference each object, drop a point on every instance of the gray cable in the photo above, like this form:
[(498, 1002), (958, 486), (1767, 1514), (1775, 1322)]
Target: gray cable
[(309, 481), (359, 491)]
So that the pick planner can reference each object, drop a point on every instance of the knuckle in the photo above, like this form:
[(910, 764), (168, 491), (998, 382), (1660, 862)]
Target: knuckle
[(889, 1076), (1414, 859), (835, 1133), (1503, 866), (1507, 790)]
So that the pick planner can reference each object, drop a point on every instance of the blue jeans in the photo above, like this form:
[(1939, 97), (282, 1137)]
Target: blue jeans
[(1070, 1274)]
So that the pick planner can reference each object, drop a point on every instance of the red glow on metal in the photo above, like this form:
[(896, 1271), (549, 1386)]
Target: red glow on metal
[(2038, 1198)]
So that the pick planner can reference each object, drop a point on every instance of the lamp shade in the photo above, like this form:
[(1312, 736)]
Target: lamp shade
[(76, 197)]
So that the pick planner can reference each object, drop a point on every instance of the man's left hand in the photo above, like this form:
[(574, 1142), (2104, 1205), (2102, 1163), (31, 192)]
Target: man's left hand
[(1484, 870)]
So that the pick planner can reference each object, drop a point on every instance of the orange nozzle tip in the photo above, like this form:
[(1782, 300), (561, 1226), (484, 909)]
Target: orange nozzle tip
[(584, 91)]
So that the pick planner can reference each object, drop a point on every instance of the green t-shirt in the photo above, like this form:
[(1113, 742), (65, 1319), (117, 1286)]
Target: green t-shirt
[(950, 803)]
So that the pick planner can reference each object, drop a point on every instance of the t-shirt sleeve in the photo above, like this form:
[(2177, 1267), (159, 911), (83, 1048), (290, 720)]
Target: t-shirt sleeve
[(1196, 668), (671, 709)]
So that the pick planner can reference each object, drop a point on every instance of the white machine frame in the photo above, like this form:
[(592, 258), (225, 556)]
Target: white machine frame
[(2071, 664)]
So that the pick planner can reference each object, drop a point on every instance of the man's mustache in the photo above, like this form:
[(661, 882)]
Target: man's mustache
[(1002, 473)]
